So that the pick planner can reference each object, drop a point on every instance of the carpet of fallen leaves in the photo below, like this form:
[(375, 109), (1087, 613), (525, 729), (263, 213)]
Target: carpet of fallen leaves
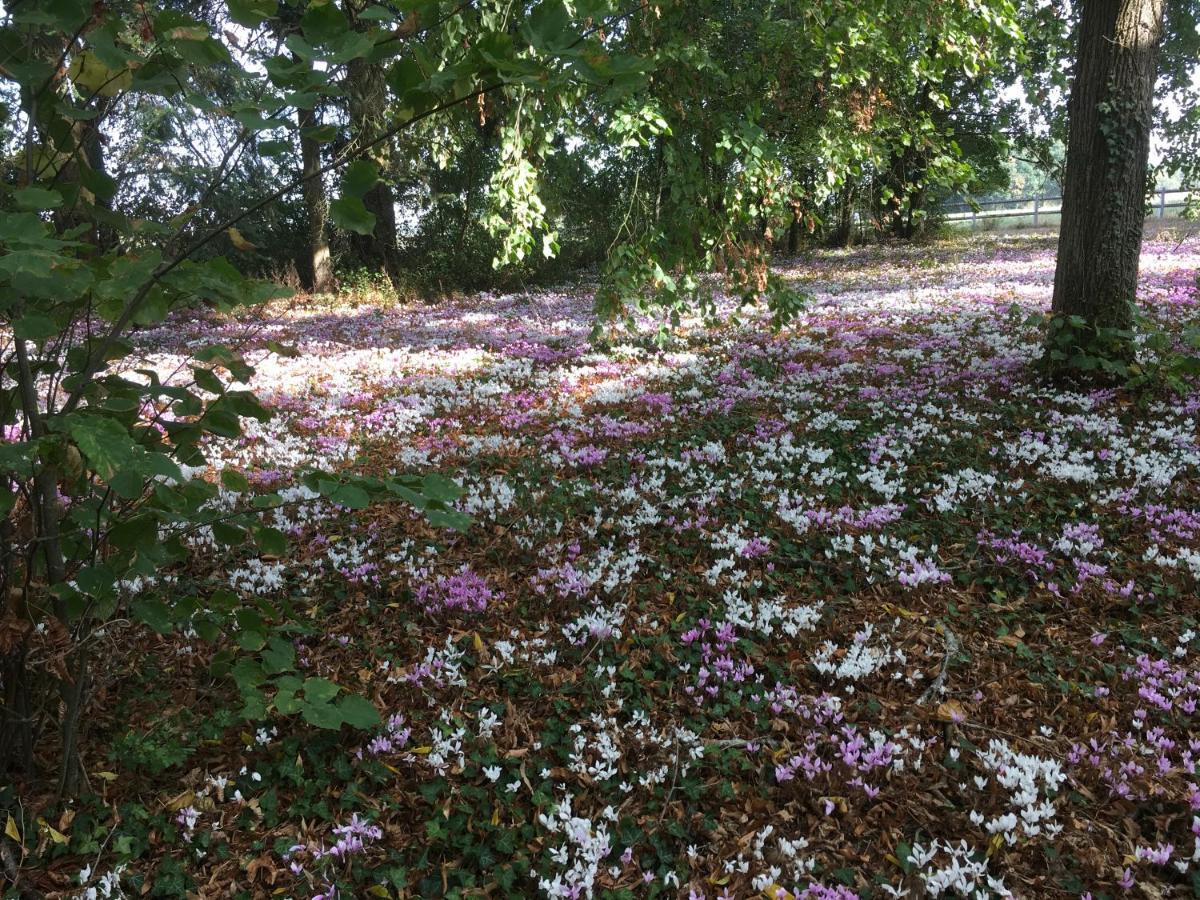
[(860, 608)]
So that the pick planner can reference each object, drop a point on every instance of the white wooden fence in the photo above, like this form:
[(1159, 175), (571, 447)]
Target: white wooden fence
[(1038, 209)]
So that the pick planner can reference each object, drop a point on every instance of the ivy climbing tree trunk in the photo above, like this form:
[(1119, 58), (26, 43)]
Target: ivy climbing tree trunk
[(1103, 209), (317, 270)]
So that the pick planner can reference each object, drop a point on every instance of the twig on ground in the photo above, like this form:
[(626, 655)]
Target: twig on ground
[(952, 647)]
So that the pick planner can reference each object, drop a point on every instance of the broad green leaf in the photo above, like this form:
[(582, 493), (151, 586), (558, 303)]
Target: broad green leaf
[(252, 12), (359, 177), (319, 690), (358, 711), (350, 213), (34, 327), (278, 656), (438, 487), (323, 22), (37, 198), (350, 496), (103, 442), (234, 480)]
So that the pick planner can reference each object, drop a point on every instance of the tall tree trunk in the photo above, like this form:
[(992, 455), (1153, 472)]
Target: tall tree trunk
[(368, 102), (1108, 147), (317, 270), (842, 234)]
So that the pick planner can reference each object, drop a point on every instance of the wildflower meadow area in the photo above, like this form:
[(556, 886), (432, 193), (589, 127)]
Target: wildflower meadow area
[(862, 605), (599, 449)]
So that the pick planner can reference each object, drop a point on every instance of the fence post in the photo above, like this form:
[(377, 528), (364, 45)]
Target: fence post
[(1037, 209), (1162, 203)]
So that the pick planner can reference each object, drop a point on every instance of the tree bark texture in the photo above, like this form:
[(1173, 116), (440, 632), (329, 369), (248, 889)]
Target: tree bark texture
[(368, 107), (1110, 113), (317, 270)]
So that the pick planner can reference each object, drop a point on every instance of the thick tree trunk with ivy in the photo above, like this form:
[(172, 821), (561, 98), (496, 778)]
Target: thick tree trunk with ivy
[(368, 112), (1103, 208), (317, 268)]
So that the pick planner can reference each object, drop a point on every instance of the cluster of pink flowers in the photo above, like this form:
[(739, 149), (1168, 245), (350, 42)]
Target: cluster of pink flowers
[(464, 591)]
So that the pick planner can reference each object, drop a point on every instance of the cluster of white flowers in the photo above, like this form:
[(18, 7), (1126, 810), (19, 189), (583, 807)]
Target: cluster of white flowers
[(596, 755), (764, 616), (446, 746), (585, 846), (1030, 781), (485, 500), (787, 862), (955, 869), (860, 659), (105, 887), (258, 577)]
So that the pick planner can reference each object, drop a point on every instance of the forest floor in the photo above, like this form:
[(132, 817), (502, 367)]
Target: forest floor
[(862, 608)]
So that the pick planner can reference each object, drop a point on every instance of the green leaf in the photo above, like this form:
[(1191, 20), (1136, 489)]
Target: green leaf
[(251, 12), (550, 26), (279, 656), (34, 327), (321, 715), (271, 541), (323, 22), (350, 496), (319, 690), (105, 445), (251, 640), (358, 711), (360, 176), (37, 198), (103, 186), (285, 696), (206, 380), (322, 134), (448, 518), (404, 76), (234, 480), (438, 487), (350, 213), (230, 535)]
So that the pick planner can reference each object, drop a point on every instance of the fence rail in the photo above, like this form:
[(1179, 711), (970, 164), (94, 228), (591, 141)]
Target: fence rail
[(1036, 208)]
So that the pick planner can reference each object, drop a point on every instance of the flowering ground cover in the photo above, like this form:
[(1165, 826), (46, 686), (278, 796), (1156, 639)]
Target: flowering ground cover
[(861, 608)]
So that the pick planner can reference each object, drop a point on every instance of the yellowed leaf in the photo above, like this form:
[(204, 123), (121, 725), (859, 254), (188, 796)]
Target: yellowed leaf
[(951, 711), (180, 801), (238, 241), (107, 776), (477, 643), (995, 843), (55, 835), (10, 829), (378, 890), (422, 751)]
